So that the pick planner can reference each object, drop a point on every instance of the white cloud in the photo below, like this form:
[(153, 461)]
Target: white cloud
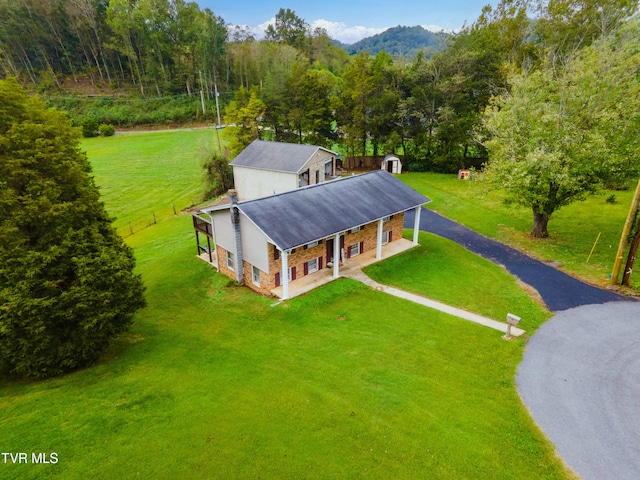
[(438, 29), (336, 30), (340, 30)]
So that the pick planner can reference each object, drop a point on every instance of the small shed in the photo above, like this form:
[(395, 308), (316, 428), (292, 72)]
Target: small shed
[(391, 163)]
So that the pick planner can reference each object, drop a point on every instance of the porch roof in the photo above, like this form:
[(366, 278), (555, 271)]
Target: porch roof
[(307, 214)]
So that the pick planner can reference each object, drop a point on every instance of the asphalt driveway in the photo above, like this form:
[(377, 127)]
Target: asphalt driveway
[(558, 290), (580, 375), (580, 379)]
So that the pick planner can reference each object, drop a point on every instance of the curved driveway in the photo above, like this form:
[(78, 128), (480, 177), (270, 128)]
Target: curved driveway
[(580, 375), (558, 290), (580, 378)]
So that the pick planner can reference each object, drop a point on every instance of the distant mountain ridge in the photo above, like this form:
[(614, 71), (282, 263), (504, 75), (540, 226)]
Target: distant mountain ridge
[(400, 41)]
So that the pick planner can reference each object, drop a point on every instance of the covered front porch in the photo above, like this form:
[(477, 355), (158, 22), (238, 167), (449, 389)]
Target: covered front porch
[(309, 282)]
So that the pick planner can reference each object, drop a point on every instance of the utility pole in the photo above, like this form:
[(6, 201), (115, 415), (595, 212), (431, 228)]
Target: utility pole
[(625, 234), (628, 268), (215, 86)]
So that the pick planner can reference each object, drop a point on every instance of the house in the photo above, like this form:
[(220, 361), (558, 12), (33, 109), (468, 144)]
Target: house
[(391, 163), (266, 168), (305, 231)]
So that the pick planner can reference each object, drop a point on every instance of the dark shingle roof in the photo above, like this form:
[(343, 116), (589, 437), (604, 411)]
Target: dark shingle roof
[(307, 214), (278, 156)]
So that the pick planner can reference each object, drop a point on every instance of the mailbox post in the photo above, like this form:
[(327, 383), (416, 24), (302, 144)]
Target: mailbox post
[(512, 320)]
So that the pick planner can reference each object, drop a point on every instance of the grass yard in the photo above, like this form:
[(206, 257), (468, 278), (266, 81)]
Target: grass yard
[(145, 173), (573, 228), (345, 382), (213, 382), (440, 269)]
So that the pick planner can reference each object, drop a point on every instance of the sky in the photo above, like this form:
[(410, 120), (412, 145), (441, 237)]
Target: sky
[(351, 20)]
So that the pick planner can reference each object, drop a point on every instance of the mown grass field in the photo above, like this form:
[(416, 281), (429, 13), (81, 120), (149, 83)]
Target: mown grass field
[(142, 174), (345, 382)]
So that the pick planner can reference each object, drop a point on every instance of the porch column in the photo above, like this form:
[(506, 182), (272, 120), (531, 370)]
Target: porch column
[(336, 256), (284, 274), (416, 225), (379, 241)]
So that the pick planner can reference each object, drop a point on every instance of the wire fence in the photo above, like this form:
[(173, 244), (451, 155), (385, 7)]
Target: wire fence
[(151, 219)]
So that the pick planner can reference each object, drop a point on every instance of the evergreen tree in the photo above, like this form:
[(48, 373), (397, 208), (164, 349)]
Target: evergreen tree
[(67, 285)]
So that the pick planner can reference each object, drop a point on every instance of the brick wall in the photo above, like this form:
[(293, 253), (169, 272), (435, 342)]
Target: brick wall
[(367, 234), (222, 263)]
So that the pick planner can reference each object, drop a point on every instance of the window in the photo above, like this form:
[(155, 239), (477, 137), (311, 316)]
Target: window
[(312, 244), (386, 237), (230, 262), (354, 250), (312, 265), (386, 219), (255, 275), (355, 229)]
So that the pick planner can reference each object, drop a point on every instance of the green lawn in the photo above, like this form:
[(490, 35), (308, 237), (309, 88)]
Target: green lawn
[(214, 382), (573, 229), (145, 173), (440, 269)]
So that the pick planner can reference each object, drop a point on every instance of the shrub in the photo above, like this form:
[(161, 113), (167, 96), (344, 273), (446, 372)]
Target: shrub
[(89, 127), (106, 129)]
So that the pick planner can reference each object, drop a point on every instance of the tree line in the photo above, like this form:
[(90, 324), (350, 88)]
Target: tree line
[(296, 85)]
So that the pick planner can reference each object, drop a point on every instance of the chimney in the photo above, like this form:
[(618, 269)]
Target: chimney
[(237, 238)]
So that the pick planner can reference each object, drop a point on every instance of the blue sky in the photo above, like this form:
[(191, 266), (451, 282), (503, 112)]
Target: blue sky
[(351, 20)]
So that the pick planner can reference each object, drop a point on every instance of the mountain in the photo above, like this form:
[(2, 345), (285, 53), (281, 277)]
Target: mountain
[(400, 41)]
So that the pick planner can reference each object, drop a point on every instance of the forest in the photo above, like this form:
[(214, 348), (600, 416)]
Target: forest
[(143, 62)]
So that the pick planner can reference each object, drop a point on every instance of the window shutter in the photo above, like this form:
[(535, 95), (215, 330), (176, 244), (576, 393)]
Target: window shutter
[(348, 252), (306, 268), (276, 253), (319, 263), (293, 273), (390, 235), (361, 247), (277, 279)]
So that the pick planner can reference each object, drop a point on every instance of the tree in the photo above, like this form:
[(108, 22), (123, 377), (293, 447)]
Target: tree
[(289, 29), (218, 174), (562, 133), (67, 286), (242, 117)]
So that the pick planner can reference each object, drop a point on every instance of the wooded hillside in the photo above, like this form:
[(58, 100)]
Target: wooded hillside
[(161, 61)]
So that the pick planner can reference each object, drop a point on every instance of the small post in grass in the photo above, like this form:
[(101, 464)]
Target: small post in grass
[(512, 320)]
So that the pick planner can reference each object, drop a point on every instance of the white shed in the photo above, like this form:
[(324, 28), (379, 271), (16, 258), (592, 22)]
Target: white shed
[(391, 163)]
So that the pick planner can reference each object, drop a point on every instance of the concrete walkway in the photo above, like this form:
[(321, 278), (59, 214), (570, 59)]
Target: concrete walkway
[(360, 276)]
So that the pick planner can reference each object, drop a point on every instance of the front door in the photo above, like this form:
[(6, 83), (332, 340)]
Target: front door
[(330, 243)]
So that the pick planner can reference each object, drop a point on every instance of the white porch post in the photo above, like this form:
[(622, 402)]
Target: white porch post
[(336, 256), (379, 241), (416, 225), (284, 274)]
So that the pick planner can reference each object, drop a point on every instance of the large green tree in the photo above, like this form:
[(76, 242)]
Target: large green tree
[(67, 285), (564, 132)]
